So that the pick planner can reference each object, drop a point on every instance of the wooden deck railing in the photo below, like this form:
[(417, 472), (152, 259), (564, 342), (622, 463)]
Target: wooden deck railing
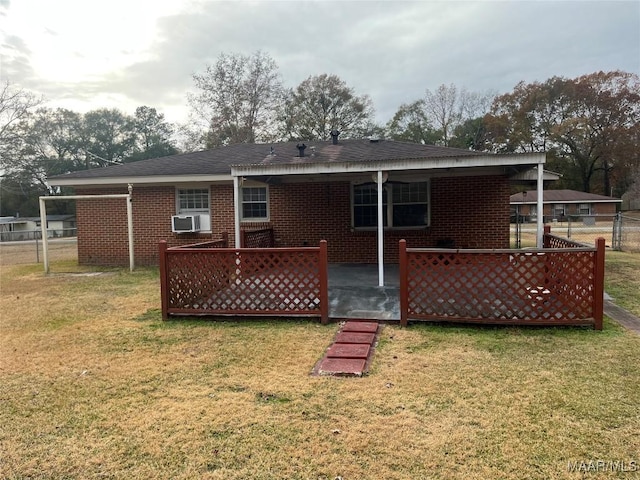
[(550, 286), (263, 238), (244, 281), (222, 242)]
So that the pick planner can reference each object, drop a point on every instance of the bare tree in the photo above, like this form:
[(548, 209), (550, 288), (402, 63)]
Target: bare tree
[(443, 108), (15, 105), (324, 103), (446, 116), (238, 98)]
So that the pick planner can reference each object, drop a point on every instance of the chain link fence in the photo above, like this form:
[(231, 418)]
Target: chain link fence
[(622, 233)]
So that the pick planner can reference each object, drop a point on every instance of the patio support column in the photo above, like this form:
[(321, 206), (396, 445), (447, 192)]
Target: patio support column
[(540, 206), (380, 233), (236, 211)]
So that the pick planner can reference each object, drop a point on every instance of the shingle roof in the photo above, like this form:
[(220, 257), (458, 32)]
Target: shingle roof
[(219, 161), (560, 196)]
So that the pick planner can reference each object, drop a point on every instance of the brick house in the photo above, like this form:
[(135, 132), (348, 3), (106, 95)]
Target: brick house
[(559, 205), (429, 196)]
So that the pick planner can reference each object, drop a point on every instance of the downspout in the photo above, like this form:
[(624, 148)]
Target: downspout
[(380, 233), (236, 211), (540, 206)]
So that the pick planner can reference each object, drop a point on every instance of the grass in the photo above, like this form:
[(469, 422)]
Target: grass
[(95, 385)]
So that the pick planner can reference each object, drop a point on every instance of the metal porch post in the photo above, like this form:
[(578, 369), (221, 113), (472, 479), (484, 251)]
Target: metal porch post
[(540, 206), (380, 233), (236, 211)]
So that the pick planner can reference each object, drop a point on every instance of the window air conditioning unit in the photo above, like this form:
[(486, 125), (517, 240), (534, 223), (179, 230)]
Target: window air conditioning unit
[(185, 223)]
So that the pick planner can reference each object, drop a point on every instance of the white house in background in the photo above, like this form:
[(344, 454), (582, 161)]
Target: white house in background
[(28, 228)]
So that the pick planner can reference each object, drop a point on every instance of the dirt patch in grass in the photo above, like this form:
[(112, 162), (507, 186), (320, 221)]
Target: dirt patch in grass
[(95, 385)]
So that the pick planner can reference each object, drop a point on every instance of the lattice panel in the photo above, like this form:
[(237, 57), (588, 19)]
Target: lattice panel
[(515, 286), (249, 282), (553, 241), (259, 238)]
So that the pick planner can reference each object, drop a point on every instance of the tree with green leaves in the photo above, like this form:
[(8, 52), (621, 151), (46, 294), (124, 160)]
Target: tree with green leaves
[(109, 137), (238, 99), (410, 124), (323, 103), (153, 135)]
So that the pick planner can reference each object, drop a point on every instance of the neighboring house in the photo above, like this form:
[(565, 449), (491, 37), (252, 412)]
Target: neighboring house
[(559, 205), (28, 228), (431, 196)]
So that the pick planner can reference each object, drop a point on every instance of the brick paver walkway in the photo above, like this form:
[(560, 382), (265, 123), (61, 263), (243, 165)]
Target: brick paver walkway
[(351, 351)]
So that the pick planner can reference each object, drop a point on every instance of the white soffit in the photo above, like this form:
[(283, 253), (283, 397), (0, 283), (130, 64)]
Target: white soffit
[(443, 163), (148, 180)]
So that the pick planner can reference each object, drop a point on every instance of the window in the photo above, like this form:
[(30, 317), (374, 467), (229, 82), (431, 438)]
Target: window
[(254, 203), (584, 209), (558, 210), (404, 205), (195, 201)]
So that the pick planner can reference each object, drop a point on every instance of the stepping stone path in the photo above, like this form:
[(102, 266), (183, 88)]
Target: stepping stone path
[(351, 351)]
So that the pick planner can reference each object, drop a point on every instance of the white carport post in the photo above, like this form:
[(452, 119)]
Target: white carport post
[(236, 210), (540, 206), (380, 232), (43, 221)]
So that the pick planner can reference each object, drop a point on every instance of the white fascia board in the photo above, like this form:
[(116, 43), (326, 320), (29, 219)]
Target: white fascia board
[(391, 165), (148, 180)]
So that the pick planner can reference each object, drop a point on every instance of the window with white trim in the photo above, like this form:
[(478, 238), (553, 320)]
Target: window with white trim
[(255, 204), (195, 201), (405, 205), (584, 209)]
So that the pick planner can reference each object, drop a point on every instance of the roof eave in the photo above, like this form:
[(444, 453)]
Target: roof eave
[(143, 180), (427, 163)]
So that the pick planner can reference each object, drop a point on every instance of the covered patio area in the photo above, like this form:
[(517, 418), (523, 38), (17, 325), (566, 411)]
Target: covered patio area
[(354, 292)]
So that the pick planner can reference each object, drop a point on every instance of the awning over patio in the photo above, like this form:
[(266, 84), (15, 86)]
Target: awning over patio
[(379, 161)]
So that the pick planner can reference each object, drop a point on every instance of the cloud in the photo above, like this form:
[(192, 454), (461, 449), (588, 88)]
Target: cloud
[(15, 60), (391, 51)]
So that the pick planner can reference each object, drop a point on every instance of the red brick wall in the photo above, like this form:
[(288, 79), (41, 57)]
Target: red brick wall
[(102, 226), (472, 212)]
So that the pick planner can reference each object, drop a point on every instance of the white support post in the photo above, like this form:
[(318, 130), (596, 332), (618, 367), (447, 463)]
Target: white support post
[(43, 229), (380, 232), (236, 211), (130, 226), (540, 206), (43, 220)]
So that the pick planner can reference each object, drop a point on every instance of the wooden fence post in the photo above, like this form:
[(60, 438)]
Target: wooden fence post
[(324, 283), (225, 239), (598, 287), (164, 290), (545, 238), (404, 290)]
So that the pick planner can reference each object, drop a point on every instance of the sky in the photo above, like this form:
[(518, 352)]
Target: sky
[(88, 54)]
